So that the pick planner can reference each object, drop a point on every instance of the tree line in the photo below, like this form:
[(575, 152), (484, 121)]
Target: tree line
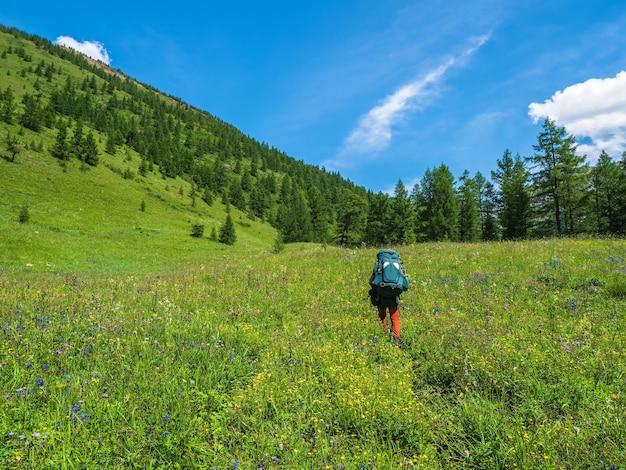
[(552, 192)]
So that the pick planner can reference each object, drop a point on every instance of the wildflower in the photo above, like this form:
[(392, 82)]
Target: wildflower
[(39, 381), (44, 366), (29, 364), (236, 464), (166, 418)]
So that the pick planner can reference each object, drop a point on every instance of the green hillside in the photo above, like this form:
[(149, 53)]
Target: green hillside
[(156, 168)]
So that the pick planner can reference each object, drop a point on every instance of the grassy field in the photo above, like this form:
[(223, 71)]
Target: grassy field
[(90, 219), (513, 357)]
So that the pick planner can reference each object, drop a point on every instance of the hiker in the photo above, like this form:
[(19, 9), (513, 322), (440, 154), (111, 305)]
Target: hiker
[(388, 281)]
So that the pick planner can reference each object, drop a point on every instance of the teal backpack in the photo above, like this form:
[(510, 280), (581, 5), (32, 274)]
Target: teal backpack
[(389, 277)]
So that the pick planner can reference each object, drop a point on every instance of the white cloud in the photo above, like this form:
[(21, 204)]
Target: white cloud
[(92, 49), (594, 110), (374, 131)]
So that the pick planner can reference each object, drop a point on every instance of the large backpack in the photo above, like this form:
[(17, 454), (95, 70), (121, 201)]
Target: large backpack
[(389, 277)]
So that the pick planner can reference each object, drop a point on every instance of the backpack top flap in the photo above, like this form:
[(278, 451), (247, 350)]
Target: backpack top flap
[(389, 273)]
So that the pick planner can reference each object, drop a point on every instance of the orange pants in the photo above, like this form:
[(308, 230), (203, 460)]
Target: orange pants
[(394, 314)]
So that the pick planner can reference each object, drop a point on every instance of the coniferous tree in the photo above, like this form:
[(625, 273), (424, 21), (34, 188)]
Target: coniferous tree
[(227, 233), (32, 116), (259, 201), (13, 145), (606, 195), (377, 226), (513, 196), (91, 154), (469, 215), (110, 146), (302, 216), (557, 174), (318, 209), (78, 141), (7, 106), (402, 217), (440, 214), (351, 219), (486, 197), (61, 148), (235, 194)]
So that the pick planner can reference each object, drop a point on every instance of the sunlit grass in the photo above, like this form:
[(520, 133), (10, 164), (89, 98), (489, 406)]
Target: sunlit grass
[(513, 357)]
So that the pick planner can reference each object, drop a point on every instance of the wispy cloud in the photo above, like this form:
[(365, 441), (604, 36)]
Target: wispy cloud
[(594, 109), (374, 131), (92, 49)]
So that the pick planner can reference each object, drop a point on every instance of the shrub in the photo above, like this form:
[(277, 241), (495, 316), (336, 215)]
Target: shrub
[(197, 230), (24, 216)]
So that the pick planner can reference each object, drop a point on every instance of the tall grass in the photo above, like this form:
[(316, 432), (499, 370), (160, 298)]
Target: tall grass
[(513, 357)]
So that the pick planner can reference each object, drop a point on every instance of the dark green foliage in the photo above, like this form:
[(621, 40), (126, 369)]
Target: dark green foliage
[(61, 149), (351, 220), (90, 150), (377, 232), (13, 145), (469, 214), (32, 116), (279, 244), (606, 202), (24, 215), (7, 106), (438, 205), (513, 198), (92, 108), (227, 233), (401, 222), (559, 177), (197, 230)]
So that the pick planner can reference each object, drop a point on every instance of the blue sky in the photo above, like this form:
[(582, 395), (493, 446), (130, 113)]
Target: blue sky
[(376, 90)]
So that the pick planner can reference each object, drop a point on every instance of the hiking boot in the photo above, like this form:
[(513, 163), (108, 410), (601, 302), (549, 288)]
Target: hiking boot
[(396, 341)]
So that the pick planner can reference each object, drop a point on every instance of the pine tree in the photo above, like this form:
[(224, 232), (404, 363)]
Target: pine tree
[(227, 233), (469, 215), (91, 153), (513, 197), (78, 143), (7, 106), (320, 216), (32, 116), (61, 148), (110, 146), (351, 219), (402, 217), (377, 226), (606, 195), (439, 216), (558, 176)]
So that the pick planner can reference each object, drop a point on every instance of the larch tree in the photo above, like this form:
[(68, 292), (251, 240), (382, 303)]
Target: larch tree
[(558, 176)]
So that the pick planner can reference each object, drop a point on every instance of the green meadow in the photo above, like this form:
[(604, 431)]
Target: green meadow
[(513, 356)]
